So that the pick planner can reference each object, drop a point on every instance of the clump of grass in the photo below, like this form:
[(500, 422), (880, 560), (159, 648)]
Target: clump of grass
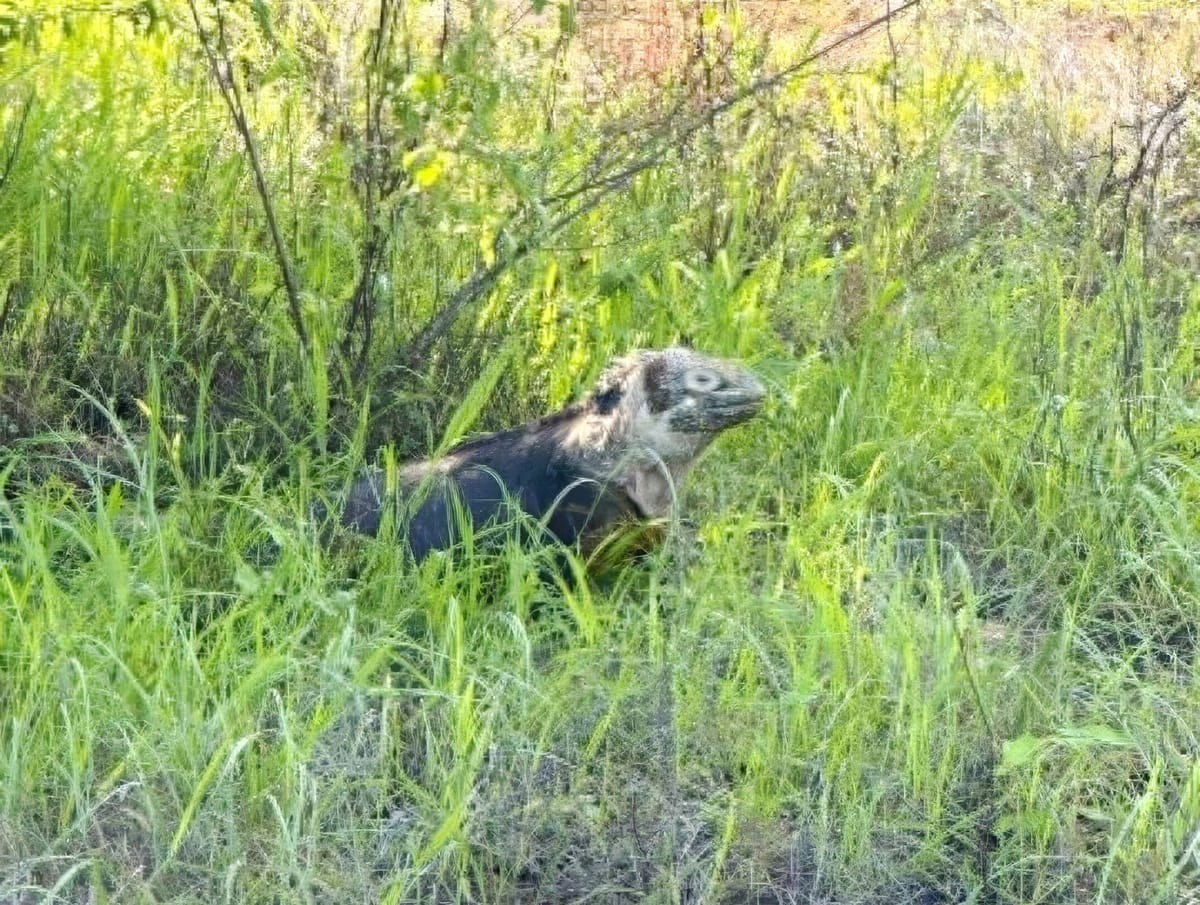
[(928, 632)]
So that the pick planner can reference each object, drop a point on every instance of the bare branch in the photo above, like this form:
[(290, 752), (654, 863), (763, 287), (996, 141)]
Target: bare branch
[(11, 160), (222, 69), (666, 129), (1150, 145), (663, 136), (361, 308), (483, 278)]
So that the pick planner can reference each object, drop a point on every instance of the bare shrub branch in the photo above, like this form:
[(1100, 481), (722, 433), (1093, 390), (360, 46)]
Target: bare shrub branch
[(13, 152), (662, 137), (221, 62), (375, 185)]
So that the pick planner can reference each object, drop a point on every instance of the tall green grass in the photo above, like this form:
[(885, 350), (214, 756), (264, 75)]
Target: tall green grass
[(927, 632)]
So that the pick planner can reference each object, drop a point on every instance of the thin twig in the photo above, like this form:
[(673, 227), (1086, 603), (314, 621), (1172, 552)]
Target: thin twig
[(894, 92), (667, 129), (483, 278), (375, 247), (222, 67), (1147, 143), (603, 187), (11, 160)]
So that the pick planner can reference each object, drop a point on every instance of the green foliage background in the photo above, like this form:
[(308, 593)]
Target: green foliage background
[(930, 637)]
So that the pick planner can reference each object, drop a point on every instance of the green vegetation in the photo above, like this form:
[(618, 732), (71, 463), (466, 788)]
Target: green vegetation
[(930, 634)]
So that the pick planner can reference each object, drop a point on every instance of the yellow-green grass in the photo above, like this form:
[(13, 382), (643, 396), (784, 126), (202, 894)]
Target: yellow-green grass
[(927, 632)]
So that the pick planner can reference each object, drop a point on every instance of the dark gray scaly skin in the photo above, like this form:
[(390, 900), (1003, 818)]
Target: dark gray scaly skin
[(618, 456)]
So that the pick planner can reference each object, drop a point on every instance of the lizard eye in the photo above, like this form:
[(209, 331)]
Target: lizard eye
[(702, 380)]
